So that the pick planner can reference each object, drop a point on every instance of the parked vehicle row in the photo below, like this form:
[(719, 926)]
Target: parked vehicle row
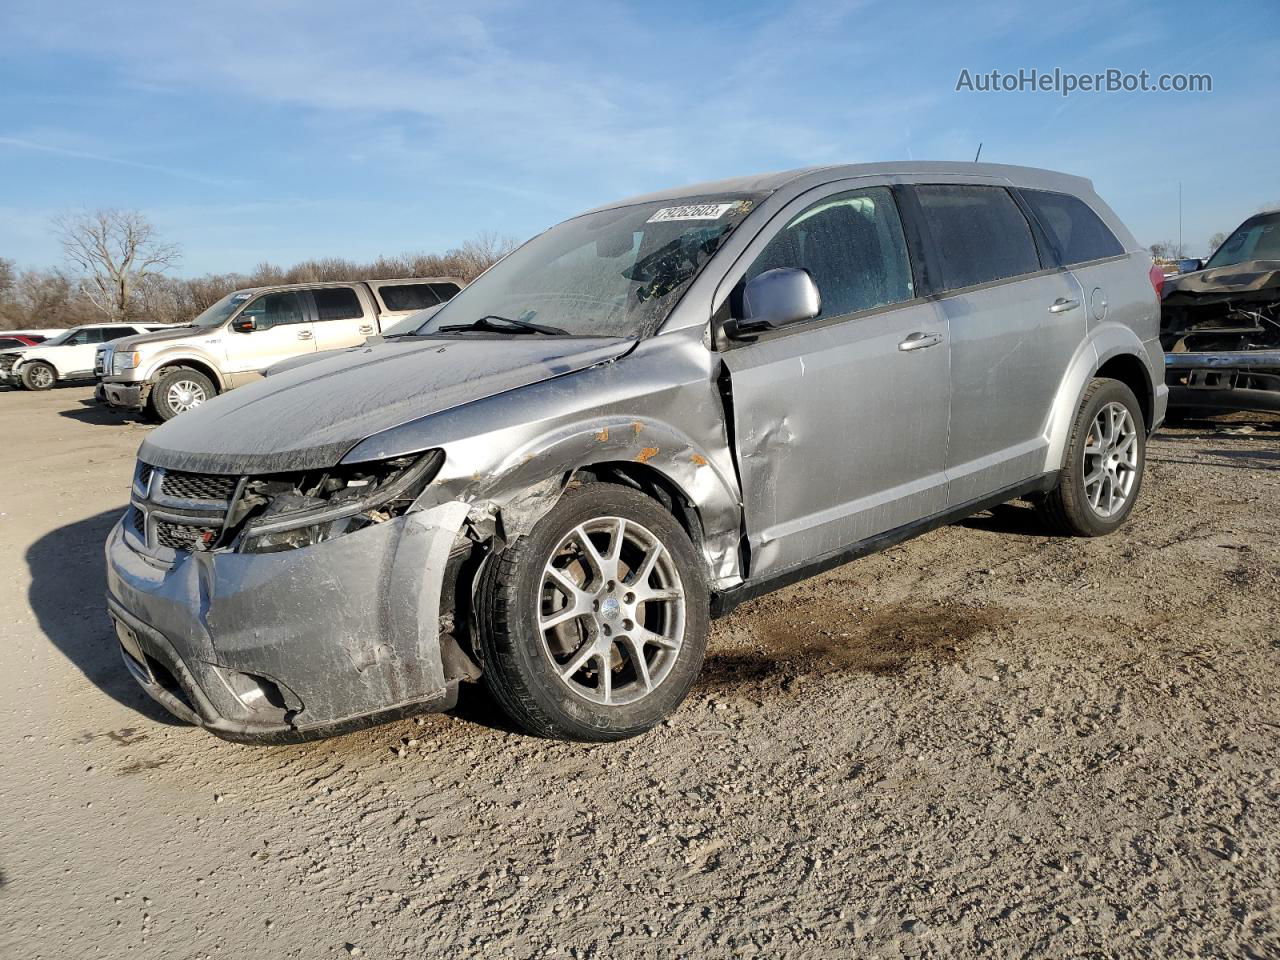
[(634, 422), (238, 338), (67, 356)]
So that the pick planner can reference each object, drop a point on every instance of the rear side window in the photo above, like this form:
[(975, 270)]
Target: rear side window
[(337, 303), (275, 310), (853, 247), (408, 296), (115, 333), (978, 233), (1075, 230), (445, 291)]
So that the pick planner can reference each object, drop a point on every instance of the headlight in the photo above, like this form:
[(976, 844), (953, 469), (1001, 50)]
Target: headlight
[(121, 362), (303, 509)]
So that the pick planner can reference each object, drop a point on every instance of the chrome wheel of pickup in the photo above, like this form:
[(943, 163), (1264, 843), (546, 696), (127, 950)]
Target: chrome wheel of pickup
[(184, 395), (1110, 459), (613, 611)]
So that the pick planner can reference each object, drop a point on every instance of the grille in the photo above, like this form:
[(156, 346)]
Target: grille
[(6, 363), (179, 536), (144, 475), (140, 523), (197, 486)]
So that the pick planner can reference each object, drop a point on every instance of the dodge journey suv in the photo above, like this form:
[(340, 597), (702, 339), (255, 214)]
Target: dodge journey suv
[(640, 418)]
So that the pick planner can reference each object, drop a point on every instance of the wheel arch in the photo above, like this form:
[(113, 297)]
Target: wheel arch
[(1112, 350), (194, 363)]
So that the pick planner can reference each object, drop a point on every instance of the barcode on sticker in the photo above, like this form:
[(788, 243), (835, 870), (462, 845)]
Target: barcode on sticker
[(693, 211)]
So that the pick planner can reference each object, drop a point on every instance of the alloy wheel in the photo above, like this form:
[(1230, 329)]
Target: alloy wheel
[(1110, 460), (612, 611), (184, 395)]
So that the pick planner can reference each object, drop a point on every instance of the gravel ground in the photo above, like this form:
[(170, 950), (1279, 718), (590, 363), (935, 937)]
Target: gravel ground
[(987, 741)]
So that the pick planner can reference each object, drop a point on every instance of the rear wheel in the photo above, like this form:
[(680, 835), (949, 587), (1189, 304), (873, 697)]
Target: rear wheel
[(178, 390), (1104, 465), (593, 627), (39, 375)]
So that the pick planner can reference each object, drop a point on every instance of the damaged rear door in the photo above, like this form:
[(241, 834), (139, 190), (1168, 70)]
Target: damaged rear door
[(840, 423)]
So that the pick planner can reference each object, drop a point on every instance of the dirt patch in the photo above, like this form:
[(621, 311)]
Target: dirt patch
[(881, 644)]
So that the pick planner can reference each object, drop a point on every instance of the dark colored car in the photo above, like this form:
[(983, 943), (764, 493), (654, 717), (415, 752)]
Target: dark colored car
[(1220, 324)]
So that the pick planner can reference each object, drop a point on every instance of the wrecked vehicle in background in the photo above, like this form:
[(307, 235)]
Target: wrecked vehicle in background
[(634, 422), (1220, 325)]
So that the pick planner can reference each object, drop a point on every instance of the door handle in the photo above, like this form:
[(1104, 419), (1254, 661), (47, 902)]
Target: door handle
[(304, 334), (366, 328), (1062, 305), (920, 340)]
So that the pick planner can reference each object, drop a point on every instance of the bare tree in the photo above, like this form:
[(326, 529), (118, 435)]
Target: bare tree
[(1217, 240), (481, 252), (115, 252), (1167, 250)]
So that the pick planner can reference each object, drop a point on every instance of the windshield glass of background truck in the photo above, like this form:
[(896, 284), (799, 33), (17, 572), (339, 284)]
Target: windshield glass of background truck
[(221, 310)]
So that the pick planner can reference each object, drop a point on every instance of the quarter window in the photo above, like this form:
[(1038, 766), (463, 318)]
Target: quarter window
[(408, 296), (115, 333), (337, 303), (275, 310), (1075, 230), (978, 233), (853, 247)]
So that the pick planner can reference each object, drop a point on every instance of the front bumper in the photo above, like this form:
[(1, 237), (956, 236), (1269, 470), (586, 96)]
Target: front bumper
[(130, 396), (1229, 380), (289, 646)]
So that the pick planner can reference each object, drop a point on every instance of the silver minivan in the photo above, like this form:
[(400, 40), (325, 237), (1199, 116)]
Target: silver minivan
[(640, 418)]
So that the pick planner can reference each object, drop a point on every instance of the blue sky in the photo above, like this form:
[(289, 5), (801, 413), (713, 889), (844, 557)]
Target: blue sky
[(284, 130)]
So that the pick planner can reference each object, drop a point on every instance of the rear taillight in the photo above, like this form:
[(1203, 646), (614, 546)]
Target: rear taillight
[(1156, 275)]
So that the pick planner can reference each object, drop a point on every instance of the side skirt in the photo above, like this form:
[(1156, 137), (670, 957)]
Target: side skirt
[(726, 601)]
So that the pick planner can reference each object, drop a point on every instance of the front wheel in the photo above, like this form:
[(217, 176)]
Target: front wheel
[(178, 390), (593, 627), (1104, 465), (38, 375)]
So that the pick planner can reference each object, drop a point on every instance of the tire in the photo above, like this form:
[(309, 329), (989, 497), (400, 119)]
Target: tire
[(527, 662), (1083, 503), (39, 375), (178, 390)]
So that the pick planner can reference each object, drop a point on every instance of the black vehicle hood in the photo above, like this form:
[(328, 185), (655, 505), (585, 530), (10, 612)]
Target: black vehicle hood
[(1250, 280), (310, 416)]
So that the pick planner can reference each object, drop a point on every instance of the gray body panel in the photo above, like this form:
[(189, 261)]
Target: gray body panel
[(801, 445)]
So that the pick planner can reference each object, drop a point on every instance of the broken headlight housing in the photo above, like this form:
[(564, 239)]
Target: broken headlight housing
[(299, 510)]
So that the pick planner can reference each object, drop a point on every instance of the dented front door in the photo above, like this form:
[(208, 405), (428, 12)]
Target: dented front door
[(840, 433)]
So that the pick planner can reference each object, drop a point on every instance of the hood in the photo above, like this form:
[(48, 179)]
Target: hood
[(310, 416), (125, 344), (1252, 279)]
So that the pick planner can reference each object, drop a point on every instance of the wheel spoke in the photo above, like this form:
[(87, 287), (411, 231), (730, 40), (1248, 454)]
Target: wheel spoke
[(635, 650), (638, 579), (606, 677), (656, 639), (579, 659), (593, 556)]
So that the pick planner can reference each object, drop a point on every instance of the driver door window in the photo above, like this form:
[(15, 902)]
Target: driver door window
[(852, 245), (275, 310)]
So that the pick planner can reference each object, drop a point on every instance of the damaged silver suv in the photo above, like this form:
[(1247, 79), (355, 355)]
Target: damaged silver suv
[(639, 419)]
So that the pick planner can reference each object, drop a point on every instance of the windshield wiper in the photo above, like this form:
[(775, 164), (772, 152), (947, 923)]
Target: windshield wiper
[(496, 324)]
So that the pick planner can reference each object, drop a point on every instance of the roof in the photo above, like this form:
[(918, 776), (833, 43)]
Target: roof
[(771, 182)]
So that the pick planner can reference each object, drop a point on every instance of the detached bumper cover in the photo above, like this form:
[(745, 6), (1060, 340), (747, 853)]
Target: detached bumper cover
[(288, 646), (1229, 380), (131, 396)]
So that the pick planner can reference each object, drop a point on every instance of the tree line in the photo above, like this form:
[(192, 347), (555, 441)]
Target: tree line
[(118, 268)]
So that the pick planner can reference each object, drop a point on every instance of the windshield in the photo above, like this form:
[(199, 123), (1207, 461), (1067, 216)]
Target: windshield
[(614, 273), (61, 338), (1258, 238), (223, 309)]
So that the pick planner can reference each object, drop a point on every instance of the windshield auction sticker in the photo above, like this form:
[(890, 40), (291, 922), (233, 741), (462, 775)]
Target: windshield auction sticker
[(693, 211)]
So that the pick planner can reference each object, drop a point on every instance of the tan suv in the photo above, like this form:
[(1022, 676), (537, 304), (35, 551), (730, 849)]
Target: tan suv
[(231, 343)]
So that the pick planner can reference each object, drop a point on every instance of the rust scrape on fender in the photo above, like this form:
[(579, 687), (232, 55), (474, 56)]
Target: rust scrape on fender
[(647, 454)]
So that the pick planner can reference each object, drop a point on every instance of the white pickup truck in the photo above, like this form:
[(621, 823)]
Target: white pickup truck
[(235, 340), (67, 356)]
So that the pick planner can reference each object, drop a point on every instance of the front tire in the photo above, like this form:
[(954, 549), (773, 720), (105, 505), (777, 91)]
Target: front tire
[(1105, 461), (593, 627), (178, 390), (39, 375)]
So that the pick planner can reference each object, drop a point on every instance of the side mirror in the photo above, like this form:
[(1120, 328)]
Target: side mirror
[(244, 325), (777, 298), (1190, 266)]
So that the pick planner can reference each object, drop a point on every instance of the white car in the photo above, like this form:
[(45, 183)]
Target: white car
[(68, 356)]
